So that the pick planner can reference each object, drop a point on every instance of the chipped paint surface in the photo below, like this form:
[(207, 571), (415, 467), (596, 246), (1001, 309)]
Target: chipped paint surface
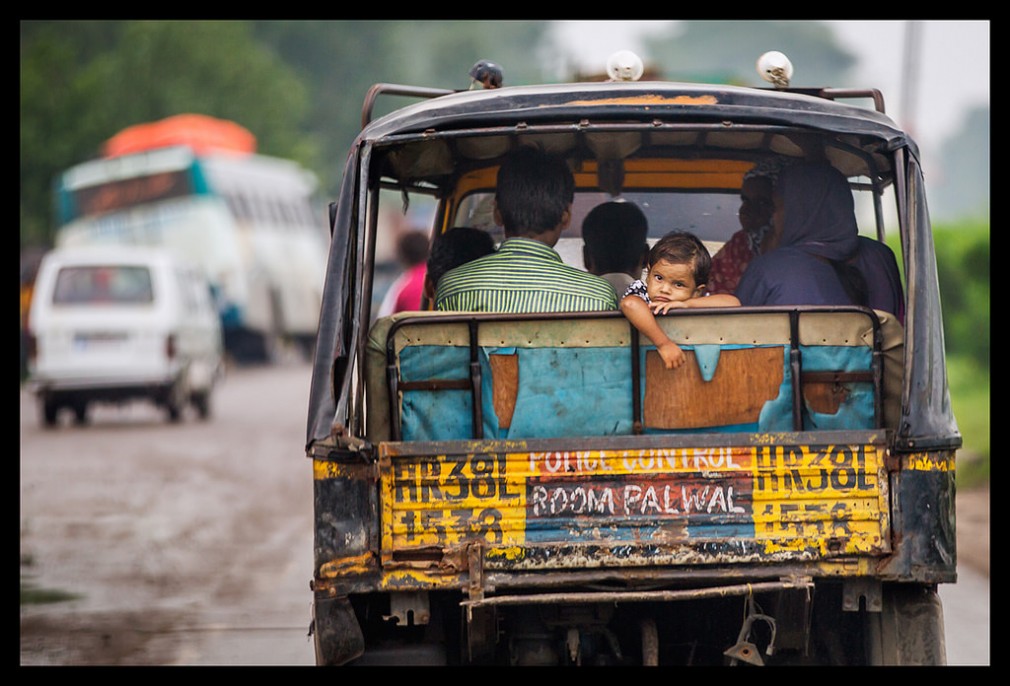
[(326, 469), (593, 508), (356, 564), (650, 100), (929, 462)]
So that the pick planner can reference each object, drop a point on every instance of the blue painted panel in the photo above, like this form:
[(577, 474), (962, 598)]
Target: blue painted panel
[(570, 392)]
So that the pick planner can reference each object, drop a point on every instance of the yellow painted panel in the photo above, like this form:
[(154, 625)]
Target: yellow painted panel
[(801, 501), (832, 498), (929, 462)]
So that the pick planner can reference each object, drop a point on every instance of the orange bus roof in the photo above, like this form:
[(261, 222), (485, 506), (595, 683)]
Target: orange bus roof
[(200, 132)]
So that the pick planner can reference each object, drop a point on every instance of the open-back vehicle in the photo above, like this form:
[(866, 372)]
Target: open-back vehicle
[(537, 489)]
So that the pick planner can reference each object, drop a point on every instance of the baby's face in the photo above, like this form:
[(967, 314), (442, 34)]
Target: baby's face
[(669, 282)]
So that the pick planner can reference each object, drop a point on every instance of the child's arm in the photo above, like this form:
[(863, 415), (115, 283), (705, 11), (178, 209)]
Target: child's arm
[(638, 313), (714, 300)]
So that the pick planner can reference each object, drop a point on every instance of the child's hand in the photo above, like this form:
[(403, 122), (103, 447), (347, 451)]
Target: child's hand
[(672, 355), (664, 307)]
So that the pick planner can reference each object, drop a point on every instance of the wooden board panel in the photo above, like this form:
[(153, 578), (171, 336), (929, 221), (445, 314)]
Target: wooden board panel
[(824, 398), (505, 381), (743, 382)]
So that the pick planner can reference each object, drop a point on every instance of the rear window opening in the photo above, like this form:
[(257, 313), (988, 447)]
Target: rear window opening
[(103, 285)]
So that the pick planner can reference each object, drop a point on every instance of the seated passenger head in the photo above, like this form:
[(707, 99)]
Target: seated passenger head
[(412, 247), (456, 246), (614, 239), (814, 209), (534, 194), (756, 194), (679, 265)]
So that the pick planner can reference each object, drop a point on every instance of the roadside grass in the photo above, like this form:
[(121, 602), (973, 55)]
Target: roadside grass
[(32, 595), (969, 397)]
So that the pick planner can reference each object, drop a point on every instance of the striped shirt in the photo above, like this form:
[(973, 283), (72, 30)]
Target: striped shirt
[(524, 275)]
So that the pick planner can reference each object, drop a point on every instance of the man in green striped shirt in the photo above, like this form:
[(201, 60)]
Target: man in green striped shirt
[(533, 202)]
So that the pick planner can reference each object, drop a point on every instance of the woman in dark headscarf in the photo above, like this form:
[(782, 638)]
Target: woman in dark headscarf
[(814, 255), (755, 215)]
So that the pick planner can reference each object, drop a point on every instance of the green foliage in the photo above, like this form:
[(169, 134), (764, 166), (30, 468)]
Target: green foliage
[(969, 397), (343, 59), (297, 85), (971, 471), (81, 82), (57, 120), (160, 68), (962, 256), (962, 262)]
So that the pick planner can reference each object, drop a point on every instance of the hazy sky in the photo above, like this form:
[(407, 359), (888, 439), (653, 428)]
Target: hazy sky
[(952, 69)]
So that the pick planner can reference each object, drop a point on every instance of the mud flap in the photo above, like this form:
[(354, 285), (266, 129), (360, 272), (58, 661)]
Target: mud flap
[(909, 628), (337, 634)]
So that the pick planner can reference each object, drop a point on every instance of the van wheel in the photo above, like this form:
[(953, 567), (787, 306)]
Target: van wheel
[(50, 413), (80, 413), (175, 400), (201, 401), (173, 410)]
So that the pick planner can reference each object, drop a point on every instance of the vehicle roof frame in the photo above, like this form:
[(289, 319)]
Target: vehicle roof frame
[(461, 114)]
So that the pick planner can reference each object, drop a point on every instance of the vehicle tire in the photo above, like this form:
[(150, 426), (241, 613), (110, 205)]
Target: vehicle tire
[(50, 413), (272, 349), (201, 402), (80, 413), (173, 405), (173, 410), (336, 633), (909, 628), (274, 338)]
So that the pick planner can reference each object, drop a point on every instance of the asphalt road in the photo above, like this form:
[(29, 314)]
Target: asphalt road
[(185, 544), (191, 544)]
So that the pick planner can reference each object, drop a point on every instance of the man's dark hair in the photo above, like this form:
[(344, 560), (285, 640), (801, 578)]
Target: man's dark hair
[(457, 246), (534, 191), (683, 247), (615, 235)]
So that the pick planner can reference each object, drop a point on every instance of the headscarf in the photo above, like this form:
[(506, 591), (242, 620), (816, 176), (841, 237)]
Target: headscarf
[(820, 221), (819, 217)]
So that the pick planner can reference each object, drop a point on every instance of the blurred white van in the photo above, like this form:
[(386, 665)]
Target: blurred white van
[(112, 323)]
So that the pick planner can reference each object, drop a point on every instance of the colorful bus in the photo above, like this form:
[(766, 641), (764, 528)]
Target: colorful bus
[(196, 185)]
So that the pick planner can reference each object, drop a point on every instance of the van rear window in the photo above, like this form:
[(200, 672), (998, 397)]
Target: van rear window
[(112, 285)]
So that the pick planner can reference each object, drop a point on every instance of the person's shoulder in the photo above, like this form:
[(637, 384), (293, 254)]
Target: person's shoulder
[(586, 277), (619, 281), (782, 256), (638, 288), (590, 286), (871, 244), (474, 265), (736, 240), (787, 264)]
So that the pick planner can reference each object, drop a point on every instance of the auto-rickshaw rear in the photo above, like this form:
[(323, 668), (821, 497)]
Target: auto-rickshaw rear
[(538, 489)]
